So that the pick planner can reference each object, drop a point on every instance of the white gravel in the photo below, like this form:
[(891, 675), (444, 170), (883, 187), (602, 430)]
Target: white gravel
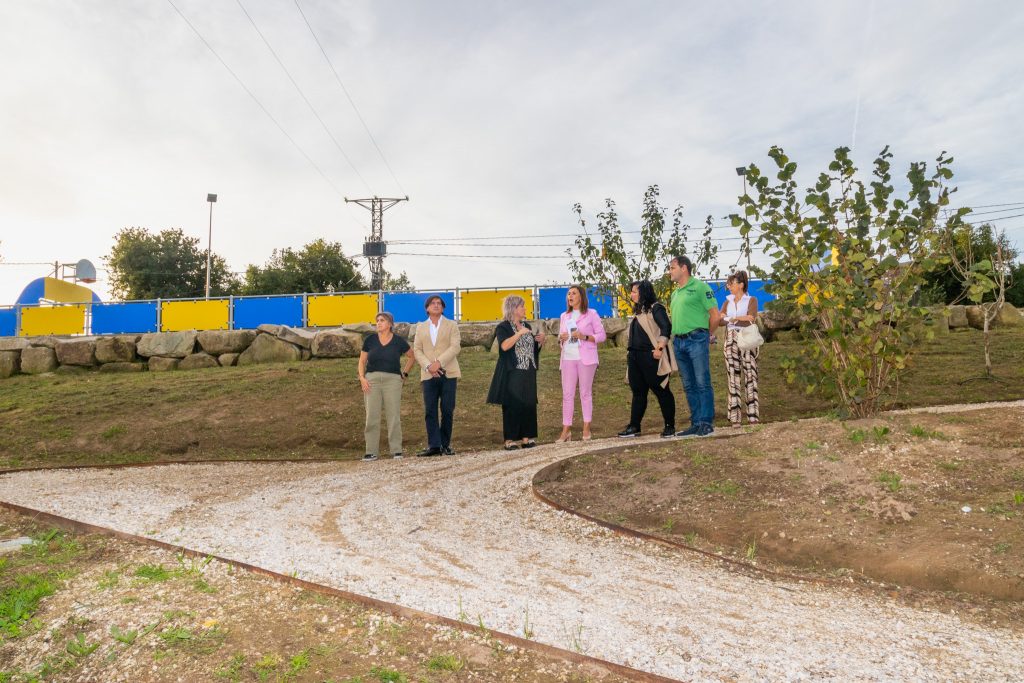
[(464, 537)]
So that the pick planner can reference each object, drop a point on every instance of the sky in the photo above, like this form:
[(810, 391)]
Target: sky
[(494, 118)]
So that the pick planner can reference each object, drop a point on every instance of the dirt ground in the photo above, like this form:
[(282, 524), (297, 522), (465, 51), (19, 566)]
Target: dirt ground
[(125, 611), (929, 507)]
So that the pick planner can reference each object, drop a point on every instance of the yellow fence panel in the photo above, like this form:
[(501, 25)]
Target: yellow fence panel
[(176, 316), (346, 309), (52, 320), (480, 306)]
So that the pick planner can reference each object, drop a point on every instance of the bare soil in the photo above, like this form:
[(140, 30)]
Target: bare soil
[(929, 505), (189, 620)]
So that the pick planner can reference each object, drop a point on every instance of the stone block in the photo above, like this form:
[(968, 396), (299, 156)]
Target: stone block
[(477, 334), (300, 337), (227, 360), (10, 363), (163, 364), (337, 343), (269, 349), (197, 361), (957, 316), (81, 352), (123, 366), (167, 344), (13, 343), (36, 360), (115, 350), (216, 342)]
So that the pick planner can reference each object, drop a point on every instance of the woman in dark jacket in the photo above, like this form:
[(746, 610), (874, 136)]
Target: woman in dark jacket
[(649, 359), (514, 385)]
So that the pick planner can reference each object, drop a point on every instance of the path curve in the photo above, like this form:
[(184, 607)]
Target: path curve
[(465, 538)]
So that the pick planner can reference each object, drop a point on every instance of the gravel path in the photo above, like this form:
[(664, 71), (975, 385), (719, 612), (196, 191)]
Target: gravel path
[(463, 537)]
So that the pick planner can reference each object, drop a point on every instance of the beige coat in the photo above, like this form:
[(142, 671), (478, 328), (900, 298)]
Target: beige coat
[(449, 343)]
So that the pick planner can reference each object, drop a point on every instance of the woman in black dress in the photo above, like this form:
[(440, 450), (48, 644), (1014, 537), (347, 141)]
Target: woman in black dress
[(514, 385), (649, 359)]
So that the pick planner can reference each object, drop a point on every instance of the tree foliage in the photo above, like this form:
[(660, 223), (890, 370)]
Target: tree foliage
[(319, 266), (166, 265), (605, 261), (848, 259), (966, 244)]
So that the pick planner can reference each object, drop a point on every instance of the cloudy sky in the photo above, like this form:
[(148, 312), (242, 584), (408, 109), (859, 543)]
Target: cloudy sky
[(495, 118)]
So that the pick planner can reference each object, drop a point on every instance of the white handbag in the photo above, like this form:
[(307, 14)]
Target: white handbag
[(749, 338)]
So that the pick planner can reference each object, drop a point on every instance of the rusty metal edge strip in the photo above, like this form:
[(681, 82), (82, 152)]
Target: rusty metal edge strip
[(164, 463), (675, 545), (391, 608)]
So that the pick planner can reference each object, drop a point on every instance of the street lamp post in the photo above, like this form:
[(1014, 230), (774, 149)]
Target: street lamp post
[(742, 172), (212, 199)]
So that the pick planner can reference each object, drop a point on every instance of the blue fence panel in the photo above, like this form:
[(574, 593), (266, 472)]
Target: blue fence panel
[(8, 322), (552, 302), (250, 313), (755, 288), (124, 318), (407, 307)]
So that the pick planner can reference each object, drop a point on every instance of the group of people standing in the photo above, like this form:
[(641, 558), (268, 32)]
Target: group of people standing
[(660, 342)]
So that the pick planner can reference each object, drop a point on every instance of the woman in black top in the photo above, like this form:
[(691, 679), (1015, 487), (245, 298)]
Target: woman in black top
[(381, 378), (649, 362), (514, 385)]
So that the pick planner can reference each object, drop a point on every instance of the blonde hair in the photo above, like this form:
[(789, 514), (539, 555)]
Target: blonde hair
[(510, 304)]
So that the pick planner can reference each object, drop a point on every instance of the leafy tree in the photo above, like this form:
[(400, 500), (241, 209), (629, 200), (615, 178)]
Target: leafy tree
[(320, 266), (981, 276), (397, 283), (167, 265), (945, 285), (848, 258), (604, 260)]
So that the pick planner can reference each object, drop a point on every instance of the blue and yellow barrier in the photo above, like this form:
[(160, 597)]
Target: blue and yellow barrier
[(43, 320), (176, 316), (331, 310), (481, 306)]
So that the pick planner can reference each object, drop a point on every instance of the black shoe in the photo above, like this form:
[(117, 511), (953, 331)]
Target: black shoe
[(706, 430), (629, 432), (396, 456), (511, 447), (428, 452), (447, 450), (668, 432), (693, 430), (368, 457), (529, 444)]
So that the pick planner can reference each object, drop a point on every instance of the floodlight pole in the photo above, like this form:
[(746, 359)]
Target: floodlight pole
[(212, 199)]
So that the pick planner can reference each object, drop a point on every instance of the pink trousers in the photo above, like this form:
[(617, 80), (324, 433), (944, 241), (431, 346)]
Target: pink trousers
[(574, 372)]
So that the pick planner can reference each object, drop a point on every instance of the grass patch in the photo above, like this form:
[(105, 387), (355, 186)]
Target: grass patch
[(445, 663), (725, 488), (891, 481), (152, 572), (20, 601)]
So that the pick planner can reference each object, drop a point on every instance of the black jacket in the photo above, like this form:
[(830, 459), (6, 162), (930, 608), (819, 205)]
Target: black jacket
[(506, 362)]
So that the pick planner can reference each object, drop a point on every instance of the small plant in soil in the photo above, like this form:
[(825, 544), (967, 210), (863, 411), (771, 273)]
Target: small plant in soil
[(949, 465), (80, 648), (232, 669), (385, 675), (751, 551), (857, 436), (152, 572), (1018, 497), (1001, 548), (445, 663), (726, 488), (126, 637), (880, 433), (891, 481), (668, 525)]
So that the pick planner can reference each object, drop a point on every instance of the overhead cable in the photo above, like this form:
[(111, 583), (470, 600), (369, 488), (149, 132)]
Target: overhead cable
[(255, 99), (303, 96), (349, 97)]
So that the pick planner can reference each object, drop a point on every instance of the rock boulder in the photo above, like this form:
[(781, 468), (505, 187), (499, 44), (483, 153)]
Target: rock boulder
[(13, 343), (198, 361), (477, 334), (80, 352), (957, 316), (167, 344), (337, 343), (115, 350), (162, 364), (10, 363), (216, 342), (227, 360), (269, 349), (300, 337), (38, 359)]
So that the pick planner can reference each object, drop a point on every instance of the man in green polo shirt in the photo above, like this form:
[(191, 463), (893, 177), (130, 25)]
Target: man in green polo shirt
[(694, 319)]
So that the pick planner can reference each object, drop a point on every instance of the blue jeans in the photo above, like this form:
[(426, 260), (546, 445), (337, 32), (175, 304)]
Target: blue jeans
[(692, 355), (439, 391)]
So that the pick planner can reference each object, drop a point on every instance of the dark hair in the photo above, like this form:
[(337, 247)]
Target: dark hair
[(387, 316), (583, 299), (739, 276), (684, 261), (647, 298), (430, 299)]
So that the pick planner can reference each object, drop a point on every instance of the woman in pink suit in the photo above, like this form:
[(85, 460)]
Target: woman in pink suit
[(579, 332)]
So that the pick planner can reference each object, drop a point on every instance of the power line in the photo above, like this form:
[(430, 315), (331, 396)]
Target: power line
[(558, 245), (509, 256), (349, 97), (439, 240), (255, 99), (303, 96)]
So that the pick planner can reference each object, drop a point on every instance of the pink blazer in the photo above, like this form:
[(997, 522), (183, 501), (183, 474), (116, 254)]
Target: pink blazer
[(589, 324)]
